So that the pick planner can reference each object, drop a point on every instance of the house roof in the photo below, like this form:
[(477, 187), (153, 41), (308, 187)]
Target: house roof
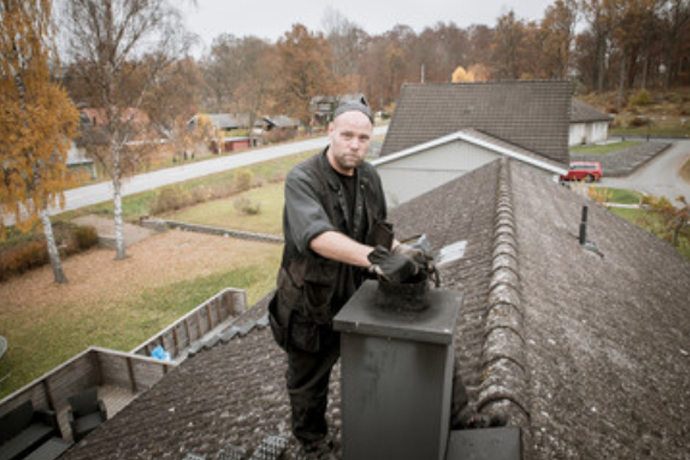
[(583, 113), (585, 349), (228, 121), (485, 140), (531, 114)]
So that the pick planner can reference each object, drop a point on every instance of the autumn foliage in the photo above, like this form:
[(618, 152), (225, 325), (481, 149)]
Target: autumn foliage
[(37, 120)]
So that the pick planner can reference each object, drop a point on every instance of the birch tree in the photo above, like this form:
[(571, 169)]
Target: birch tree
[(110, 41), (37, 121)]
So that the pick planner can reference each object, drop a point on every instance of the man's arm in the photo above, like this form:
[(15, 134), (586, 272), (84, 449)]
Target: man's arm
[(338, 246)]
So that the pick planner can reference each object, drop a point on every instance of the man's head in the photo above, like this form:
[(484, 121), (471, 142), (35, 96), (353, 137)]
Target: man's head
[(350, 133)]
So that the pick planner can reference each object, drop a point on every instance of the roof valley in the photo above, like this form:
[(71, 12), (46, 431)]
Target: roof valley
[(505, 376)]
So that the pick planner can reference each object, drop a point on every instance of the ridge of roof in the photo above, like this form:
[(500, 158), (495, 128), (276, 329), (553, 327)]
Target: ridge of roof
[(505, 371)]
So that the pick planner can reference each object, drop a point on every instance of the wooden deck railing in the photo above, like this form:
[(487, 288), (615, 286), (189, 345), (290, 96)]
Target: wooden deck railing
[(93, 367), (135, 371), (196, 324)]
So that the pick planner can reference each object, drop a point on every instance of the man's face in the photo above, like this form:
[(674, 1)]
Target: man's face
[(350, 134)]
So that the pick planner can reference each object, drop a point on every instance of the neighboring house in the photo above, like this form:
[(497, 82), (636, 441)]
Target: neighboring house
[(223, 124), (583, 347), (587, 124), (78, 161), (280, 122), (322, 107), (442, 131)]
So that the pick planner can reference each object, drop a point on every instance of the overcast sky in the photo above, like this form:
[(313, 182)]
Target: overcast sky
[(270, 19)]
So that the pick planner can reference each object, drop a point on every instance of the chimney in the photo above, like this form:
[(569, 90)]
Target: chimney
[(397, 354)]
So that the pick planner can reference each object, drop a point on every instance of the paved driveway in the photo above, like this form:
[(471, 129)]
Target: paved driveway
[(659, 176)]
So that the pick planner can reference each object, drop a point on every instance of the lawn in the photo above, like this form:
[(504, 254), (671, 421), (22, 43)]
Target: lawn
[(603, 149), (621, 196), (120, 304), (652, 224), (225, 213)]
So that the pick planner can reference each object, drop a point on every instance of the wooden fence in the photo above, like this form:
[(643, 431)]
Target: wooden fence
[(212, 314)]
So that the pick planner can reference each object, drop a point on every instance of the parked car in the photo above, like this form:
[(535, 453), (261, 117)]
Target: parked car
[(589, 171)]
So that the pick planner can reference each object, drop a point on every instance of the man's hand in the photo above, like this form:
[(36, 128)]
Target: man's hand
[(395, 268), (410, 252), (420, 253)]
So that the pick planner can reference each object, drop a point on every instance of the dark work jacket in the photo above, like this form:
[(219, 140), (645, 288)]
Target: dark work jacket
[(311, 288)]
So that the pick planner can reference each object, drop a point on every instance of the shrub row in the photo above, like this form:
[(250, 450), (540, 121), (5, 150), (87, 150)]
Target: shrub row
[(176, 197), (23, 256)]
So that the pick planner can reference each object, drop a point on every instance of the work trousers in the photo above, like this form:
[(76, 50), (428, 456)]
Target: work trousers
[(308, 376)]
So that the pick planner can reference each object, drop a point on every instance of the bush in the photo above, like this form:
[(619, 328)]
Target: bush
[(245, 206), (640, 98), (32, 252), (639, 121), (244, 179), (168, 199), (86, 237), (279, 135)]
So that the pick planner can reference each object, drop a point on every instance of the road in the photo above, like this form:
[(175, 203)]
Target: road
[(659, 176), (98, 193)]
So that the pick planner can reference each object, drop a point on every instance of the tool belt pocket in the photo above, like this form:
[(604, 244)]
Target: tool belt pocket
[(280, 329)]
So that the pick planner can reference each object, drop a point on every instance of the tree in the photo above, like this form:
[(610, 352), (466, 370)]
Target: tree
[(220, 72), (559, 24), (600, 24), (119, 48), (256, 70), (674, 220), (37, 121), (507, 42), (304, 70), (346, 39), (675, 17)]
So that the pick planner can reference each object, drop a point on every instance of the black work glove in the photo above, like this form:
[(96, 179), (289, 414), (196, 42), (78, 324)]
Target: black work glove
[(395, 268)]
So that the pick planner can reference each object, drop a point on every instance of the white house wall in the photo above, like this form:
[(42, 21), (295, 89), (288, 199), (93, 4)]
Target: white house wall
[(415, 174), (588, 133)]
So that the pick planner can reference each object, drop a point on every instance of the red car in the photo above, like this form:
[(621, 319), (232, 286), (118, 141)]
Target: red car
[(589, 171)]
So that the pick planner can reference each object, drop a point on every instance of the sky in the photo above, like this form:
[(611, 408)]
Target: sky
[(270, 19)]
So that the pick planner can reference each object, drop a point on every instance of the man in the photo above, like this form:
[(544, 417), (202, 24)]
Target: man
[(336, 233)]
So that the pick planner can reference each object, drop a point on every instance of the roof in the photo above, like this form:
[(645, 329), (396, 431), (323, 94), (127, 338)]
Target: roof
[(534, 114), (481, 139), (585, 350), (227, 121), (583, 113)]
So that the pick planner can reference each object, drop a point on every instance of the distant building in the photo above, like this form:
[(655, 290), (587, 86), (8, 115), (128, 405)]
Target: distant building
[(442, 131), (587, 124), (322, 107)]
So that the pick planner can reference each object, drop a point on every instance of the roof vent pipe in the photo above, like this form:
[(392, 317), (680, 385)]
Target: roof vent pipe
[(583, 226)]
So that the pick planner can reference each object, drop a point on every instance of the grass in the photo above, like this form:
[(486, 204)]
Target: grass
[(621, 196), (223, 213), (41, 340), (603, 148), (661, 126), (652, 224), (135, 206)]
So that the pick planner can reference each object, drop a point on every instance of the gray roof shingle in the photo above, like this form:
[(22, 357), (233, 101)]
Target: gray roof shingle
[(582, 113), (587, 353), (534, 115)]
